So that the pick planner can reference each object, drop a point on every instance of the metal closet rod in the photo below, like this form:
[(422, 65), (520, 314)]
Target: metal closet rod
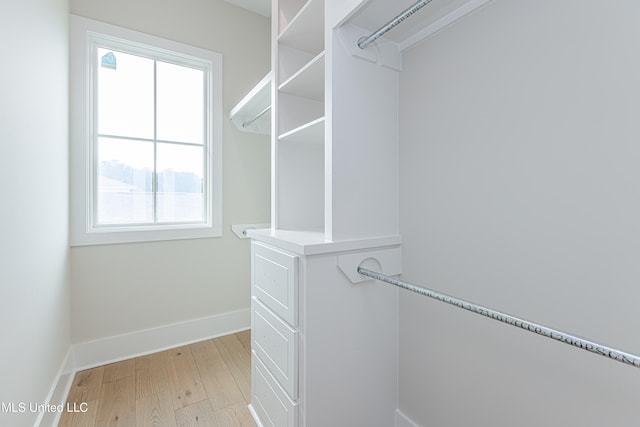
[(366, 41), (593, 347), (256, 117)]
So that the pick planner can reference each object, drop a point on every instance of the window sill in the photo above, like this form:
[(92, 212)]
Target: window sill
[(110, 236)]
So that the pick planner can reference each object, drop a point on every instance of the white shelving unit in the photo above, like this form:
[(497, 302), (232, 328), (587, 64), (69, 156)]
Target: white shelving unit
[(299, 131), (246, 115), (326, 344)]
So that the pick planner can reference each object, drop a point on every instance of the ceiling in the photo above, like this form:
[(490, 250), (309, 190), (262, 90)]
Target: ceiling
[(263, 7)]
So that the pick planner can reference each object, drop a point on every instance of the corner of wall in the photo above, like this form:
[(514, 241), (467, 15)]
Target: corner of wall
[(402, 420)]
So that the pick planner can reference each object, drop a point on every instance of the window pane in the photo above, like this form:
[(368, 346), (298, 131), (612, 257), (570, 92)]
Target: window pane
[(180, 106), (125, 95), (125, 193), (180, 183)]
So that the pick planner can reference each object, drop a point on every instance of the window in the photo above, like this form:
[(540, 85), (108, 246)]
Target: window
[(146, 137)]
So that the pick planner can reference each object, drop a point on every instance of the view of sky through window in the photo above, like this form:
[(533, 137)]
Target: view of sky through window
[(150, 142)]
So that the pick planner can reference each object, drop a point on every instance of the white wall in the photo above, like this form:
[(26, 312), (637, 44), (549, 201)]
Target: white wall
[(119, 289), (520, 190), (34, 254)]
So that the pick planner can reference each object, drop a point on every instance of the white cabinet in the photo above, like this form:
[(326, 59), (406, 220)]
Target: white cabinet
[(276, 344), (269, 402), (317, 371), (274, 335), (274, 276)]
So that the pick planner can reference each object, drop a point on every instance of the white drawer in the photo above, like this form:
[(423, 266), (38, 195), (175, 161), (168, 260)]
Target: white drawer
[(274, 277), (276, 343), (269, 400)]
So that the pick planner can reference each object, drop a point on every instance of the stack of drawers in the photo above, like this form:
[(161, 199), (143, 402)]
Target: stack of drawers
[(274, 326)]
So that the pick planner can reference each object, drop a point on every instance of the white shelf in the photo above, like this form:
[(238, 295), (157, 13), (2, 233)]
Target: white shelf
[(295, 112), (312, 132), (306, 30), (256, 101), (287, 11), (308, 82), (427, 21), (313, 242), (290, 61)]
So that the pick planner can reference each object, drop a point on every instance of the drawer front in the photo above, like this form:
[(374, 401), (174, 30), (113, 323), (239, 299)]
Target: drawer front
[(269, 400), (274, 277), (276, 343)]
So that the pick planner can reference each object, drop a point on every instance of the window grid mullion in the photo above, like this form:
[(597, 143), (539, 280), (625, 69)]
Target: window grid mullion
[(160, 141), (94, 168), (155, 141), (205, 137)]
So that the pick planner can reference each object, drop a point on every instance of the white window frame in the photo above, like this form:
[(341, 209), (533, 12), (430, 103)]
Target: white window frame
[(83, 229)]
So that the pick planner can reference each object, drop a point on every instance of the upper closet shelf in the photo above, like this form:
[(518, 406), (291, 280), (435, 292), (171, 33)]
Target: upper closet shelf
[(371, 15), (252, 113)]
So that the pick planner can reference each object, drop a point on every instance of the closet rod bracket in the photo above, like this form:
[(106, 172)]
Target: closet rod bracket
[(387, 259)]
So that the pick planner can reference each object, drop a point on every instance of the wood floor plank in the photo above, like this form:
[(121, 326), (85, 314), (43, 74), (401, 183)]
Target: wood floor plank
[(185, 380), (219, 384), (203, 384), (237, 415), (238, 359), (198, 414), (156, 410), (81, 419), (86, 385), (245, 339), (151, 373), (117, 406), (115, 371), (66, 420)]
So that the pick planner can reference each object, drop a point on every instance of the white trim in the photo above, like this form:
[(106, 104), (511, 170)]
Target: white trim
[(80, 98), (121, 347), (254, 415), (403, 421), (58, 392)]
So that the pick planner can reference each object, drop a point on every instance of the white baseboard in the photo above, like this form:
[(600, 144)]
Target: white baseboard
[(58, 392), (121, 347), (255, 417), (403, 421)]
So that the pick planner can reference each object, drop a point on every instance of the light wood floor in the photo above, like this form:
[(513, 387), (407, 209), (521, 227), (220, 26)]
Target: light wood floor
[(203, 384)]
